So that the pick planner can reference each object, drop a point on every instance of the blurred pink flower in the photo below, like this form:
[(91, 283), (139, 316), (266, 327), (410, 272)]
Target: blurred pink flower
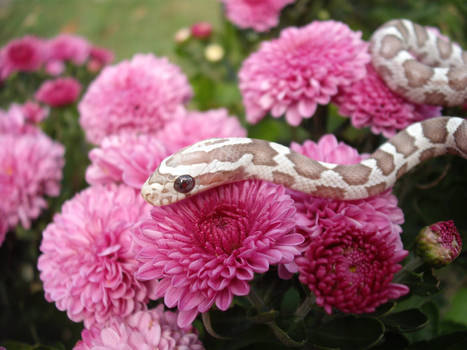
[(59, 92), (150, 329), (370, 102), (127, 158), (67, 47), (100, 57), (260, 15), (194, 126), (303, 68), (204, 250), (140, 95), (24, 54), (33, 112), (15, 120), (87, 262), (30, 168), (55, 67), (3, 222), (201, 30)]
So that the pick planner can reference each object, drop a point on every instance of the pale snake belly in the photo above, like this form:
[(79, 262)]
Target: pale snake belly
[(441, 79)]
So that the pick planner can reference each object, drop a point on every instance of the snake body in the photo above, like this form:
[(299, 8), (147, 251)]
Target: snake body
[(413, 61)]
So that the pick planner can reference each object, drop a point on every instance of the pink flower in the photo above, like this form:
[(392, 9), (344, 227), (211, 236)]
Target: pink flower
[(30, 168), (55, 67), (205, 249), (100, 57), (24, 54), (59, 92), (151, 329), (139, 95), (370, 102), (3, 224), (303, 68), (34, 112), (15, 121), (87, 262), (67, 47), (195, 126), (126, 158), (261, 15), (201, 30)]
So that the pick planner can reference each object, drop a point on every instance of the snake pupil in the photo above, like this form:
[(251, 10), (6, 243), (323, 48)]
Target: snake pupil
[(184, 183)]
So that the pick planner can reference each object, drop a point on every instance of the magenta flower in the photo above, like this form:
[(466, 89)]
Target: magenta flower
[(370, 102), (59, 92), (99, 58), (24, 54), (87, 262), (204, 250), (126, 158), (260, 15), (201, 30), (195, 126), (67, 47), (150, 329), (30, 168), (303, 68), (140, 95)]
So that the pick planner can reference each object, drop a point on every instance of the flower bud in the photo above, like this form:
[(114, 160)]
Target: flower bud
[(182, 35), (214, 52), (201, 30), (439, 244)]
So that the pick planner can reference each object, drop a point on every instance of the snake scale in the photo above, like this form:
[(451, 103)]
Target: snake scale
[(414, 61)]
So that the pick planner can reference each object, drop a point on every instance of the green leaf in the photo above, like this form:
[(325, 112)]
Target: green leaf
[(392, 341), (458, 310), (291, 301), (348, 333), (406, 321)]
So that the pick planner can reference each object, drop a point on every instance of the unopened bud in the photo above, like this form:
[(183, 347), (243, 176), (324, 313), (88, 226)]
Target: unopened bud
[(182, 35), (214, 52), (201, 30)]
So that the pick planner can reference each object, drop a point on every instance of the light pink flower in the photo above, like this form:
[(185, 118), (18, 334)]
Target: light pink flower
[(370, 102), (30, 168), (15, 121), (33, 112), (260, 15), (303, 68), (67, 47), (24, 54), (151, 329), (87, 262), (127, 158), (195, 126), (140, 95), (59, 92), (204, 250), (55, 67)]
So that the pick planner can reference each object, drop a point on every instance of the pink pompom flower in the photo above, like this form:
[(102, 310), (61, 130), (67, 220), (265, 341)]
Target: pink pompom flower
[(87, 263), (201, 30), (140, 95), (370, 102), (67, 47), (24, 54), (336, 231), (127, 158), (59, 92), (194, 126), (150, 329), (303, 68), (260, 15), (204, 250), (30, 168)]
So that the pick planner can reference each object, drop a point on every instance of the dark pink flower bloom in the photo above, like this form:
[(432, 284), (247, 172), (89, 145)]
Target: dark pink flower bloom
[(59, 92), (201, 30), (30, 168), (260, 15), (140, 95), (87, 264), (34, 112), (204, 250), (150, 329), (100, 57), (24, 54), (303, 68), (127, 158), (194, 126), (67, 47), (370, 102)]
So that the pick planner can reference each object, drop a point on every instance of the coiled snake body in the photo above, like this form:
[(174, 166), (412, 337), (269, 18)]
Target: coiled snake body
[(412, 60)]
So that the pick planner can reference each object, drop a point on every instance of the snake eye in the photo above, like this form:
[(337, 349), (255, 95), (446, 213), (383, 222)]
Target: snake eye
[(184, 183)]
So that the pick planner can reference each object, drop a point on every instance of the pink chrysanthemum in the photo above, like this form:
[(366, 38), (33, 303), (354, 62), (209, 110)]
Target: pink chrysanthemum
[(125, 158), (205, 249), (67, 47), (24, 54), (301, 69), (139, 95), (370, 102), (87, 262), (15, 121), (151, 329), (99, 57), (59, 92), (260, 15), (30, 168), (195, 126)]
